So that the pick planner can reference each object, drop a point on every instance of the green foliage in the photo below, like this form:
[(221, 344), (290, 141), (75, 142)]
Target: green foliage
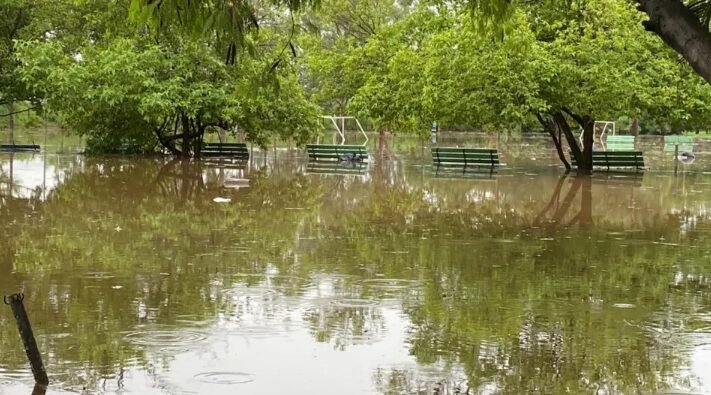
[(592, 57), (131, 91)]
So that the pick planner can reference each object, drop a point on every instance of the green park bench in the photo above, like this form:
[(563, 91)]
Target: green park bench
[(465, 157), (620, 143), (616, 159), (19, 147), (334, 152), (225, 150), (685, 143)]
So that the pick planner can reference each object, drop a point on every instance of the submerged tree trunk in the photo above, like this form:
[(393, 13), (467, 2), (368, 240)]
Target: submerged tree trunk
[(563, 126), (634, 129), (555, 134), (588, 126), (588, 141), (11, 121), (185, 145), (681, 30), (559, 127)]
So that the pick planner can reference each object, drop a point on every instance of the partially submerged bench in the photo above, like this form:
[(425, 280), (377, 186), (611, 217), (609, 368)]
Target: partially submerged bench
[(334, 152), (336, 168), (685, 144), (616, 160), (452, 173), (227, 150), (465, 157), (620, 143), (19, 147)]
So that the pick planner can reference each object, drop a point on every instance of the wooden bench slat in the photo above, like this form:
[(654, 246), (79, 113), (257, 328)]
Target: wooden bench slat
[(470, 150), (620, 143), (333, 152), (234, 150), (454, 156), (685, 143), (618, 159)]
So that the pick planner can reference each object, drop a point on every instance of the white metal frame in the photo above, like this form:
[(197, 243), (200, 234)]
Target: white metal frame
[(341, 133), (604, 129)]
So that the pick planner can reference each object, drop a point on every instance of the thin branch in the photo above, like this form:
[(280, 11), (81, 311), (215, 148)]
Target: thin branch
[(576, 117), (18, 112)]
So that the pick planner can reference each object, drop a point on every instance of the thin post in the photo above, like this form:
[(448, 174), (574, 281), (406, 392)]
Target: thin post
[(11, 121), (28, 338), (676, 157)]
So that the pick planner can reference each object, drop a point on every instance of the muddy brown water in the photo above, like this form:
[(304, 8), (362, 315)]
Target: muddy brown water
[(395, 280)]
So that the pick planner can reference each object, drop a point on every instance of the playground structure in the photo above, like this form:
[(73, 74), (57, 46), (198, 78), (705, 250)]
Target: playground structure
[(340, 124), (607, 126)]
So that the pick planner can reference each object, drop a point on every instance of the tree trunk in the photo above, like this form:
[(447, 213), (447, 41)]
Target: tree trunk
[(681, 30), (588, 142), (185, 145), (551, 129), (562, 124), (11, 121), (585, 163), (634, 129)]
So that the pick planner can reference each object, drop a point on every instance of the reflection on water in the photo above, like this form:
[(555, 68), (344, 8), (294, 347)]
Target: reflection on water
[(395, 281)]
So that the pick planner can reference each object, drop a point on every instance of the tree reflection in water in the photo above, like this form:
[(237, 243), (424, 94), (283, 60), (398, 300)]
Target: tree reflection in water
[(518, 284)]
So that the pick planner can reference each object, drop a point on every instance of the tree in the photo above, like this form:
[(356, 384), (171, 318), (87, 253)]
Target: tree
[(167, 95), (435, 65), (15, 17), (684, 27)]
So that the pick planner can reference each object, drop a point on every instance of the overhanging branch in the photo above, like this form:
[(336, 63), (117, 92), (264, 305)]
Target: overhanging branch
[(18, 112)]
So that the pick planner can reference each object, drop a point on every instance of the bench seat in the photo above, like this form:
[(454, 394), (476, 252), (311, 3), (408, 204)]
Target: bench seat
[(464, 157), (620, 143), (616, 159), (227, 150), (685, 143), (334, 152)]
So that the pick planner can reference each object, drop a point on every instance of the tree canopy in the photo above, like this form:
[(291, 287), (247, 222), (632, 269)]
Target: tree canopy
[(182, 70)]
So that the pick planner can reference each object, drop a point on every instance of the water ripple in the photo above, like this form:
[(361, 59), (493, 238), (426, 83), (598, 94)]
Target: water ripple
[(224, 378), (164, 338)]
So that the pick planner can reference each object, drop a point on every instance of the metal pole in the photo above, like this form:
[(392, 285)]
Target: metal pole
[(28, 338)]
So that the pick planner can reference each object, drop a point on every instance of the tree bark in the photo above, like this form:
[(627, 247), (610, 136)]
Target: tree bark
[(11, 120), (551, 129), (634, 129), (588, 125), (185, 145), (681, 30), (588, 133), (562, 124)]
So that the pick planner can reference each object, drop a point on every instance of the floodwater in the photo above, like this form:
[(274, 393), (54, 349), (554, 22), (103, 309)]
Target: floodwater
[(145, 276)]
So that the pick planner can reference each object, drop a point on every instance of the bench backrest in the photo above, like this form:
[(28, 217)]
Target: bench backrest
[(620, 143), (225, 149), (225, 146), (634, 159), (685, 143), (455, 156), (335, 151)]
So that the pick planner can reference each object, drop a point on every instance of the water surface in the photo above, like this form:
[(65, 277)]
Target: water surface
[(399, 280)]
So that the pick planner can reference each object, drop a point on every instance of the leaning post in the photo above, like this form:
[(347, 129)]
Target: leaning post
[(676, 157), (28, 339)]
